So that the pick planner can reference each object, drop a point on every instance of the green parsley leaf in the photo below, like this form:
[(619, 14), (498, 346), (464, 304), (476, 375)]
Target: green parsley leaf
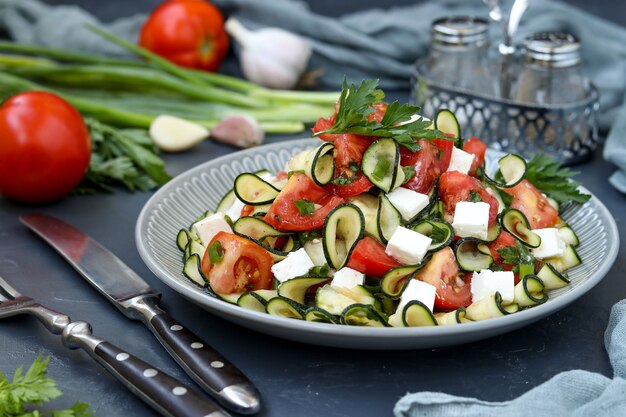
[(319, 271), (510, 255), (304, 237), (305, 207), (438, 234), (216, 252), (474, 197), (342, 180), (545, 173), (409, 172)]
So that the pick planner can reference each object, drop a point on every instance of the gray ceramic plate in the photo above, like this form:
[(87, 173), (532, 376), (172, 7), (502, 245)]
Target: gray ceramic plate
[(177, 204)]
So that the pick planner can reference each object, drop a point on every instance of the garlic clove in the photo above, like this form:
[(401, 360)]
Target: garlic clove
[(239, 130), (174, 134)]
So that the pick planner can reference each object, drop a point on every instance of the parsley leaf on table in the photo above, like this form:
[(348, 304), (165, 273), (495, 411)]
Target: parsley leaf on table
[(398, 123), (545, 173)]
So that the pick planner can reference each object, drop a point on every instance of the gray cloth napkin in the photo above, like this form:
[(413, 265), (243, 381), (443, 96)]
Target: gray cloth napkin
[(574, 393), (373, 43)]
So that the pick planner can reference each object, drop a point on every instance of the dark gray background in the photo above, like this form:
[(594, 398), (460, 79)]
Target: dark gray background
[(295, 379)]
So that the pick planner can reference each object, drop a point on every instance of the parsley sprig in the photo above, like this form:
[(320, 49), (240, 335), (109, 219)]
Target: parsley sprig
[(545, 173), (33, 388), (398, 123)]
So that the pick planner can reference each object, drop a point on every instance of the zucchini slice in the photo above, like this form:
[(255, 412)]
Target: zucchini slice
[(226, 202), (361, 315), (457, 316), (471, 254), (368, 204), (381, 164), (551, 278), (284, 307), (568, 260), (256, 300), (229, 298), (416, 314), (336, 299), (182, 239), (253, 190), (342, 230), (295, 288), (512, 168), (516, 223), (436, 210), (489, 307), (493, 232), (568, 236), (319, 315), (192, 270), (194, 247), (395, 279), (530, 291), (255, 228), (388, 218), (439, 231), (446, 122), (322, 167)]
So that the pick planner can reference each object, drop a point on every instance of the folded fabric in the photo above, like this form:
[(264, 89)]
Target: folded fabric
[(375, 43), (573, 393)]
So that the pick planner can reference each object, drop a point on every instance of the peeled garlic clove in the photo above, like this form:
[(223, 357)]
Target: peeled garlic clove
[(271, 57), (238, 130), (173, 134)]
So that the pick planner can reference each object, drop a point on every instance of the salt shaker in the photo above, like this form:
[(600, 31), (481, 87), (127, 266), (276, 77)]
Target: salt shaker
[(551, 72), (458, 55)]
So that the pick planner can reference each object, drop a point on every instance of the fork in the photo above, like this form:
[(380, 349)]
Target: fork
[(161, 391)]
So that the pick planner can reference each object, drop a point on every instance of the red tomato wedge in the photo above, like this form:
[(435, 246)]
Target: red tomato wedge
[(477, 148), (284, 214), (442, 271), (426, 164), (245, 266), (503, 240), (529, 200), (455, 186), (369, 257)]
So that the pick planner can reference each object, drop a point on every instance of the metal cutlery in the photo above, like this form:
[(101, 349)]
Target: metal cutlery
[(161, 391), (134, 297)]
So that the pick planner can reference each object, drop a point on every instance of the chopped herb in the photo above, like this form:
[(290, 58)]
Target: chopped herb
[(304, 237), (342, 180), (297, 171), (506, 198), (381, 168), (510, 255), (229, 220), (354, 167), (438, 234), (216, 252), (519, 256), (409, 172), (398, 123), (305, 207), (319, 271), (545, 173), (474, 197)]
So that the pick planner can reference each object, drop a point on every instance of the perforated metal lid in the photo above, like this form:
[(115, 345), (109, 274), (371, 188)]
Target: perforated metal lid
[(460, 30), (554, 49)]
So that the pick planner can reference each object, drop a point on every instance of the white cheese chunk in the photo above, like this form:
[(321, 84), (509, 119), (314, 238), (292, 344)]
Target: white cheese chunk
[(315, 249), (234, 212), (408, 202), (347, 278), (407, 246), (208, 227), (487, 282), (551, 243), (460, 161), (419, 291), (471, 219), (294, 265)]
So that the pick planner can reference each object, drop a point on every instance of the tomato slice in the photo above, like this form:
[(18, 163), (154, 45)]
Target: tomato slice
[(369, 257), (453, 290), (426, 163), (530, 201), (445, 151), (454, 186), (503, 240), (349, 151), (284, 214), (245, 266), (477, 148)]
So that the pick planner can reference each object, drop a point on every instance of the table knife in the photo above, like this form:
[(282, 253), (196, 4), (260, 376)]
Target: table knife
[(134, 297)]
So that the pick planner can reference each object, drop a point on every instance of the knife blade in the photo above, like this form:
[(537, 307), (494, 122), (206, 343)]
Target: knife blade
[(134, 297)]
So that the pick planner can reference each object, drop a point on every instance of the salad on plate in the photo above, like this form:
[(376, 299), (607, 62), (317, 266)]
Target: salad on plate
[(392, 220)]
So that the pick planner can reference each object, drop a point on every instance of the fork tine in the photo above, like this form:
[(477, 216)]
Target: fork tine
[(5, 288)]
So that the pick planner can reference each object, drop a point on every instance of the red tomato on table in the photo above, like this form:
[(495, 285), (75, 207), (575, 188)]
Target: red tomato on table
[(284, 214), (189, 33), (245, 266), (442, 272), (369, 257), (455, 186), (45, 147), (529, 200)]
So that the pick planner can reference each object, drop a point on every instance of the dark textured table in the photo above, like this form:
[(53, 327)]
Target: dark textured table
[(294, 379)]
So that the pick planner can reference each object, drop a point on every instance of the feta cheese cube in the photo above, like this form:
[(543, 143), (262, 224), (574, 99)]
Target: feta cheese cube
[(471, 219), (408, 202), (407, 246), (419, 291), (486, 282), (208, 227), (234, 212), (347, 278), (551, 243), (294, 265), (315, 249), (460, 161)]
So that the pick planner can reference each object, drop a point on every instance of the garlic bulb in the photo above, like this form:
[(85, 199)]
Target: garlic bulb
[(270, 57), (238, 130), (173, 134)]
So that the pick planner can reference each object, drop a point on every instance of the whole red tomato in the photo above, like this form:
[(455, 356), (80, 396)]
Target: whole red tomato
[(189, 33), (44, 147)]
